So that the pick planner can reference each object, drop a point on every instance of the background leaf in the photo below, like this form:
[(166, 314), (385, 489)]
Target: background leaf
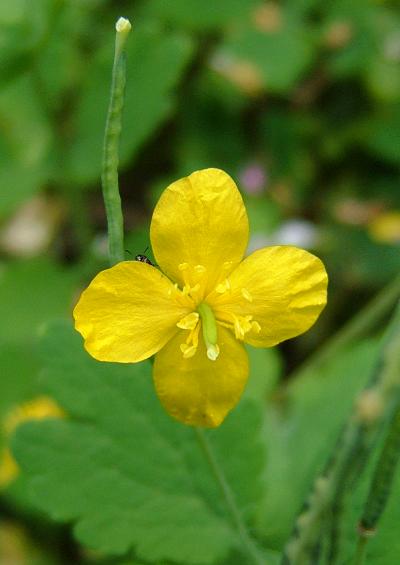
[(155, 63), (24, 144), (31, 293), (199, 16)]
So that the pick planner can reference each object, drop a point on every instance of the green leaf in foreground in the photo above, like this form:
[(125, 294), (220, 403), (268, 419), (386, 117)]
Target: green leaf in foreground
[(124, 472)]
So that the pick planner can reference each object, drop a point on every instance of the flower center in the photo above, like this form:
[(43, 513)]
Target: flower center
[(204, 317), (194, 278), (194, 284)]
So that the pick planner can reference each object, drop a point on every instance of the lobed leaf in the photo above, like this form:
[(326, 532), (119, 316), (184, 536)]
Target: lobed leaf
[(124, 472)]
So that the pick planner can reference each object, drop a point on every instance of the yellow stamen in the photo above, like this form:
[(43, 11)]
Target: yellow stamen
[(191, 275), (189, 322), (175, 287), (246, 295), (200, 269), (242, 325), (188, 350), (223, 287)]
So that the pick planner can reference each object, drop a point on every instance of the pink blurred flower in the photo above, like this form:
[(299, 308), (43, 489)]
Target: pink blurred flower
[(253, 178)]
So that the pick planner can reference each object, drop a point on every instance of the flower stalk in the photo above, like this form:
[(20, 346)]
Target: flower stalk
[(112, 199), (247, 542)]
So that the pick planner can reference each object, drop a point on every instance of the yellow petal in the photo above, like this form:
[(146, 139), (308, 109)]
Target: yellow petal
[(199, 223), (282, 288), (129, 312), (197, 391)]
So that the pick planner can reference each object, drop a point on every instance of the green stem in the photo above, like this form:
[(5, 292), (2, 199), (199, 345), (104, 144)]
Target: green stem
[(359, 557), (358, 326), (383, 476), (354, 457), (354, 442), (109, 177), (308, 528), (247, 541)]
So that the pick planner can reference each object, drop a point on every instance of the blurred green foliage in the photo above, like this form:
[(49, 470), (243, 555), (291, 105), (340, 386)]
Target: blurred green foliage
[(300, 102)]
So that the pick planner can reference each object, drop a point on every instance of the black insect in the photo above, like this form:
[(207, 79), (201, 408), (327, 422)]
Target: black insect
[(143, 258)]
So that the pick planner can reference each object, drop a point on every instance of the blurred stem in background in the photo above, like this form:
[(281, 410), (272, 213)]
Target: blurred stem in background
[(112, 199), (373, 406), (383, 476)]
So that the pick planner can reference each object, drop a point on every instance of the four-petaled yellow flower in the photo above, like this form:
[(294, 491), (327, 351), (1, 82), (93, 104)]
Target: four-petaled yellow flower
[(195, 313)]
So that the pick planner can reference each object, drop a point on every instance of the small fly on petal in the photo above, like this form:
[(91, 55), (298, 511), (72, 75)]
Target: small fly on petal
[(143, 259)]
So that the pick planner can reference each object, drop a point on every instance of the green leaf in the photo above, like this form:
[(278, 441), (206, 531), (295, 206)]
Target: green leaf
[(302, 427), (198, 15), (210, 132), (354, 255), (19, 369), (383, 71), (382, 133), (383, 548), (22, 30), (280, 56), (351, 59), (127, 474), (33, 292), (264, 215), (25, 142), (289, 140), (265, 371), (155, 62)]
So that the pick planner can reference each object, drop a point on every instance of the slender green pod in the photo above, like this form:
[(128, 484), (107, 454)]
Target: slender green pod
[(112, 199)]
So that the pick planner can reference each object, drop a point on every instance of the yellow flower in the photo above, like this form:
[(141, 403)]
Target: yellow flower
[(195, 313), (36, 409)]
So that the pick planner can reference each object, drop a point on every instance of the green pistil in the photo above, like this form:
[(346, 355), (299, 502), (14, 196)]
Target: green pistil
[(209, 326)]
